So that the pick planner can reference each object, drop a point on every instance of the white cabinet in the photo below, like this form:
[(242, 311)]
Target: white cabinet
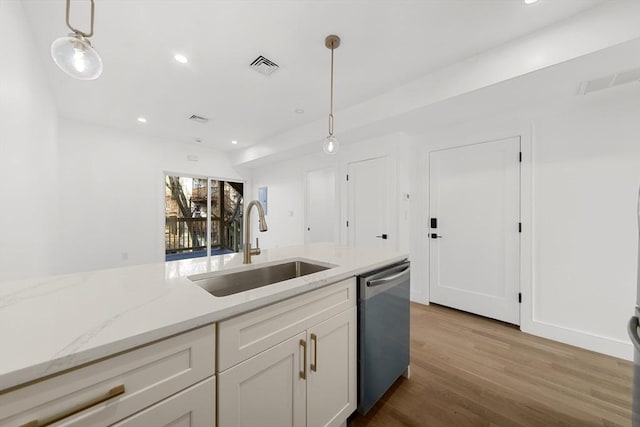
[(266, 390), (307, 377), (112, 389)]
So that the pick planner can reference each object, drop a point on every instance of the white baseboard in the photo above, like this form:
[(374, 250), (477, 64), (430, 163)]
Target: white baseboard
[(419, 298), (605, 345)]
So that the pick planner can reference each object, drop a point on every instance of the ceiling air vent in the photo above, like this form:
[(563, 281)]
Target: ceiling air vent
[(198, 119), (609, 81), (263, 65)]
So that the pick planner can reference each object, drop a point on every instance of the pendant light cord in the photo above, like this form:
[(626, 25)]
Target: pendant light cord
[(331, 98), (82, 33)]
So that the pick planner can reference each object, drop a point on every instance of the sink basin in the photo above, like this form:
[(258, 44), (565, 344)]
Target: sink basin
[(233, 283)]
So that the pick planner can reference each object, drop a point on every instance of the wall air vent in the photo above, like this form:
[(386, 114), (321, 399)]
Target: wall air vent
[(609, 81), (198, 119), (263, 65)]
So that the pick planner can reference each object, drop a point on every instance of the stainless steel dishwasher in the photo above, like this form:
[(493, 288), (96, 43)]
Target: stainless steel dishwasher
[(383, 331)]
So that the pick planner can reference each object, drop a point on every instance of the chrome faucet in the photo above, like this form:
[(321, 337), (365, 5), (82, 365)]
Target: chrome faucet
[(247, 231)]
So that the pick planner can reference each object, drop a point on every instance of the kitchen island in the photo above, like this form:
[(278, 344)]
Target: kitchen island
[(53, 325)]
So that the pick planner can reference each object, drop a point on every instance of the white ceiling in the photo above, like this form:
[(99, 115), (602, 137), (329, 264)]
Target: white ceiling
[(384, 44)]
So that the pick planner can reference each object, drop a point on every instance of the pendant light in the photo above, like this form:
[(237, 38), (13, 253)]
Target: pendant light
[(74, 53), (331, 145)]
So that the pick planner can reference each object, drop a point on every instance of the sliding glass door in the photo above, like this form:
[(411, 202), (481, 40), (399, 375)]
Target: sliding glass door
[(203, 216)]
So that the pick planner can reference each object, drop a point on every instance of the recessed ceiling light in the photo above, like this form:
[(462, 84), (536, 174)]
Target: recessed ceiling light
[(234, 142), (181, 58), (142, 120), (299, 111), (529, 1)]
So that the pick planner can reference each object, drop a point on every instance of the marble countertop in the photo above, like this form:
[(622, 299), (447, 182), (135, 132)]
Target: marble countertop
[(52, 324)]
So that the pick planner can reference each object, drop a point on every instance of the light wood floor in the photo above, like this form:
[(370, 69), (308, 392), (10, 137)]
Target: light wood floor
[(470, 371)]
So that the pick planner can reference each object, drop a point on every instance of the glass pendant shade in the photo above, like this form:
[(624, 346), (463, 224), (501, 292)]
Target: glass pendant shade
[(76, 57), (330, 145)]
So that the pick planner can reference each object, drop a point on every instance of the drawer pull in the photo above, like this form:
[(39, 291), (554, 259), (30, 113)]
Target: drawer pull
[(303, 373), (114, 392), (314, 365)]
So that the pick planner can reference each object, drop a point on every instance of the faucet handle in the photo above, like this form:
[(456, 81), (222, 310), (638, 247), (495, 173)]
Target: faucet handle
[(254, 251), (257, 244)]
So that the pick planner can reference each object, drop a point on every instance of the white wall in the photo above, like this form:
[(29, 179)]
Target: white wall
[(112, 193), (586, 180), (581, 173), (28, 166)]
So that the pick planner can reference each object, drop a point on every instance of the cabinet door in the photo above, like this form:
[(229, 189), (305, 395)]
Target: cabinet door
[(266, 390), (193, 407), (331, 388)]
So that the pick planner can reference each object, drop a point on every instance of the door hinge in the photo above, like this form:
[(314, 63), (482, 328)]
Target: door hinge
[(520, 297), (519, 227), (347, 177), (347, 223), (520, 157)]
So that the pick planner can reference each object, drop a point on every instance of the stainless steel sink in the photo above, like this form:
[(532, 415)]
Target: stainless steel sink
[(233, 283)]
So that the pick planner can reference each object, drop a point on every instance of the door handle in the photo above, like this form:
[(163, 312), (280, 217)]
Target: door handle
[(382, 236), (384, 280), (435, 236), (314, 365), (303, 372), (633, 332), (114, 392)]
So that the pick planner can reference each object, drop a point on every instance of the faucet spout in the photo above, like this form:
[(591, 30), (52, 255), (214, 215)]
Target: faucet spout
[(262, 226)]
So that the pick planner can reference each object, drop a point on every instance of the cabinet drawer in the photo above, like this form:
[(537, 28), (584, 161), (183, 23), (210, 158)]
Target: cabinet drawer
[(193, 407), (246, 335), (147, 375)]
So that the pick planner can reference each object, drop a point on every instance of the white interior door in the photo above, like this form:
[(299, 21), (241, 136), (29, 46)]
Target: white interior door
[(320, 209), (369, 184), (474, 203)]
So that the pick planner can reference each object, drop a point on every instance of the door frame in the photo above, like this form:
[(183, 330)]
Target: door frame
[(460, 138)]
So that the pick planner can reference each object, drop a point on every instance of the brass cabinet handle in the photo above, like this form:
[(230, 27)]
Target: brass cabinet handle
[(303, 372), (314, 365), (116, 391)]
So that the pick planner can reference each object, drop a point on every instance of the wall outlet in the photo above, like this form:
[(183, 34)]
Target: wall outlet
[(125, 256)]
